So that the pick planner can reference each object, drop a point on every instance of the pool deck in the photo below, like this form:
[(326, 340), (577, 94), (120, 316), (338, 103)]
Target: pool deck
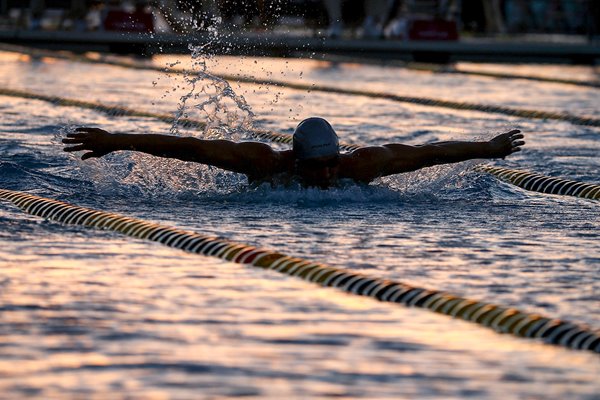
[(288, 45)]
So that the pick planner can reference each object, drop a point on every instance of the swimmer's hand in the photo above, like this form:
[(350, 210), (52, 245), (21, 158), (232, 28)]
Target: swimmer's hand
[(506, 144), (99, 142)]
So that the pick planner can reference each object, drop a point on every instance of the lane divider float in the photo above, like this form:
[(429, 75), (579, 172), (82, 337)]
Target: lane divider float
[(580, 189), (116, 111), (424, 101), (543, 184), (500, 75), (451, 69), (111, 110), (499, 318), (455, 105), (415, 66)]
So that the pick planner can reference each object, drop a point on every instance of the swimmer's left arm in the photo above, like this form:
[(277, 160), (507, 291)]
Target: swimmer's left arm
[(453, 152), (377, 161)]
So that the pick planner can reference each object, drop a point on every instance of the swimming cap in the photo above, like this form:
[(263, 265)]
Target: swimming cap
[(313, 138)]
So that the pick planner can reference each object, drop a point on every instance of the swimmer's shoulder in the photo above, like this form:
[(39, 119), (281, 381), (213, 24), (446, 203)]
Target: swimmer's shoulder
[(354, 166), (279, 168)]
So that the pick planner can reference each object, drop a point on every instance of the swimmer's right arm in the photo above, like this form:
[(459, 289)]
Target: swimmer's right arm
[(250, 158)]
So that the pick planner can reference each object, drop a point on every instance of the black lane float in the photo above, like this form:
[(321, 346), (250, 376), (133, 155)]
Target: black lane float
[(415, 66), (543, 184), (499, 318)]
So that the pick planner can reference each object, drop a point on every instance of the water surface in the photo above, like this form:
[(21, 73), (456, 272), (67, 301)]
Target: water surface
[(88, 313)]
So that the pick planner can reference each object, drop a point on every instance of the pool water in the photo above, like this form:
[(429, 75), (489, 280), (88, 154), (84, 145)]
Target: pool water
[(93, 314)]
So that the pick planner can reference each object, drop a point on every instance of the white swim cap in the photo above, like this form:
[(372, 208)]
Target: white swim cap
[(314, 137)]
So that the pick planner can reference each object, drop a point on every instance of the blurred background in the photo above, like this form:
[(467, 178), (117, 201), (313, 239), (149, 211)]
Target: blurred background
[(403, 20)]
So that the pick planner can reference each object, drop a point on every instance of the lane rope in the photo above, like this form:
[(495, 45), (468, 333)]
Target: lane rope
[(541, 183), (501, 75), (111, 110), (415, 66), (499, 318), (115, 111), (424, 101), (452, 69)]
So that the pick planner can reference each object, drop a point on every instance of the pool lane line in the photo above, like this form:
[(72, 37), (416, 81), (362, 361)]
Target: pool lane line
[(414, 66), (543, 184), (114, 110), (423, 101), (104, 108), (449, 69), (523, 179), (499, 318), (499, 75)]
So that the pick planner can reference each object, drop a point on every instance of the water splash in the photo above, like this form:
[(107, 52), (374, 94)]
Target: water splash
[(226, 113), (436, 180), (136, 174), (229, 116)]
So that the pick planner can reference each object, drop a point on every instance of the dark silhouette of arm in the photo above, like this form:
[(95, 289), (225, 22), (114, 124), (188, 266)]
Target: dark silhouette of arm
[(372, 162), (250, 158)]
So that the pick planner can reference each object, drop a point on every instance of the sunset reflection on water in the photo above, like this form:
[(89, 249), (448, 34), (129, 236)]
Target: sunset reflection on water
[(91, 314)]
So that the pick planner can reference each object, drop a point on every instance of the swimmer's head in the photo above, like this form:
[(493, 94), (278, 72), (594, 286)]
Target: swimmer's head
[(315, 138), (316, 149)]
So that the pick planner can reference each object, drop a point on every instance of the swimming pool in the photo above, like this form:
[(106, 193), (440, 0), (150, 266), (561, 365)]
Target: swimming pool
[(90, 313)]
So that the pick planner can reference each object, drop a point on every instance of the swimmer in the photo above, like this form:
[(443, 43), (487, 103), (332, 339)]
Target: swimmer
[(314, 161)]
